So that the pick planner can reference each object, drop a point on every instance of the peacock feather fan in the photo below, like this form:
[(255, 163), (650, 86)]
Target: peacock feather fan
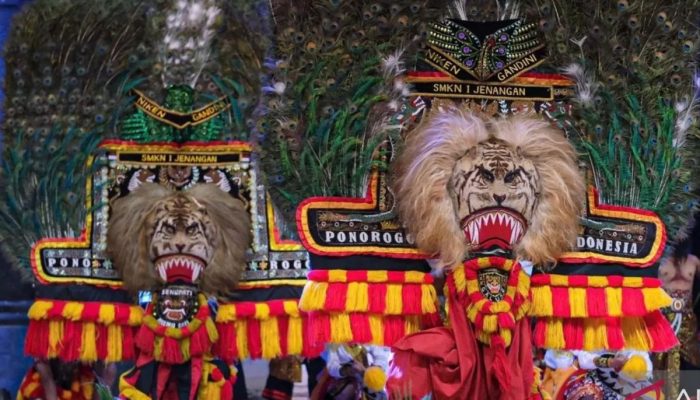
[(71, 67), (636, 103), (66, 63), (332, 87)]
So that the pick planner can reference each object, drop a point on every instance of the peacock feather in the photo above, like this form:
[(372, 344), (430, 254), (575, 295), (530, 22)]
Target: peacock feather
[(332, 87), (634, 114), (42, 191), (66, 62), (72, 70)]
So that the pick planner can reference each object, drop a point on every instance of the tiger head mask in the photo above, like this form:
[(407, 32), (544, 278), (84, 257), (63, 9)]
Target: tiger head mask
[(196, 237), (510, 182)]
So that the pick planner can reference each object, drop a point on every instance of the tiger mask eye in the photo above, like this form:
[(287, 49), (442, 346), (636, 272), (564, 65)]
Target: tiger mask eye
[(493, 174)]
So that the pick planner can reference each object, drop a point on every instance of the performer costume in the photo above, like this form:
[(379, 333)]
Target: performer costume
[(178, 112), (678, 273), (584, 296), (559, 366), (597, 378), (489, 183), (80, 386), (342, 380)]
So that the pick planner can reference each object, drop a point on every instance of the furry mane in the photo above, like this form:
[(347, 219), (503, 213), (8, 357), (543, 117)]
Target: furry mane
[(131, 227), (424, 168)]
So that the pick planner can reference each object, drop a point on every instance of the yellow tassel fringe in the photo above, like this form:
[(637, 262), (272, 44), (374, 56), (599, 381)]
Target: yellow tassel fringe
[(543, 301)]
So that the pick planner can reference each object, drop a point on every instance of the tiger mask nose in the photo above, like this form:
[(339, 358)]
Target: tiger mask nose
[(500, 198)]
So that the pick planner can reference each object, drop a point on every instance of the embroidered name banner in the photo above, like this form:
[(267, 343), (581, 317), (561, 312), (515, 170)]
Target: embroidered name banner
[(442, 88), (617, 235), (342, 227), (176, 158), (177, 119), (452, 67)]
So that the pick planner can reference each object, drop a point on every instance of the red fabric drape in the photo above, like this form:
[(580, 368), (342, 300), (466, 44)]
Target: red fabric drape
[(451, 363)]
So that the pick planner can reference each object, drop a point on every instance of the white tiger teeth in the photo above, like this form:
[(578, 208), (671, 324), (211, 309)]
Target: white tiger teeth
[(475, 224), (161, 272), (192, 264), (514, 234), (473, 232)]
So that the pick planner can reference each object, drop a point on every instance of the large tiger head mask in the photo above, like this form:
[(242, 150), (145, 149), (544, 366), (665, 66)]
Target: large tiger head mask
[(198, 236), (459, 173)]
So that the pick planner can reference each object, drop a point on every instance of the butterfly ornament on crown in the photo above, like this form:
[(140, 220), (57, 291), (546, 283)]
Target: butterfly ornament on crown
[(484, 194)]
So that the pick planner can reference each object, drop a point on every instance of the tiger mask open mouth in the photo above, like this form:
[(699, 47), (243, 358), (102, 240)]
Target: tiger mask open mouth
[(197, 237), (180, 268), (494, 227), (182, 241)]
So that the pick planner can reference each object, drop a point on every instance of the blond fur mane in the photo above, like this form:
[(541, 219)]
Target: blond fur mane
[(424, 168), (131, 226)]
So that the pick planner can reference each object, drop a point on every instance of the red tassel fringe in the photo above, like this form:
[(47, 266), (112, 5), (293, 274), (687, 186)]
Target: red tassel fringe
[(312, 347), (411, 299), (660, 332), (254, 341), (657, 327), (377, 299), (596, 302), (615, 339), (360, 328), (226, 347), (633, 302), (37, 341), (394, 329)]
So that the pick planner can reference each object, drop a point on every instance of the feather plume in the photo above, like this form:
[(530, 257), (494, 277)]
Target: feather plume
[(336, 79), (586, 86), (187, 41), (487, 10), (686, 111)]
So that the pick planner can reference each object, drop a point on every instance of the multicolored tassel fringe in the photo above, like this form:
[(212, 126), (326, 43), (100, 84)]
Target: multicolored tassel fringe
[(581, 296), (649, 333), (82, 331), (265, 330), (82, 388), (600, 312), (370, 307)]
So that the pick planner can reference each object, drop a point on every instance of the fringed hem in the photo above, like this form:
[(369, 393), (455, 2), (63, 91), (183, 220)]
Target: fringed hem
[(370, 292), (82, 331), (649, 333), (265, 330), (362, 328), (562, 296)]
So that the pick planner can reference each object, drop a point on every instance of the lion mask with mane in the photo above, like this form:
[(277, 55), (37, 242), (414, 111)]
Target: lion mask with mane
[(456, 163), (200, 235)]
